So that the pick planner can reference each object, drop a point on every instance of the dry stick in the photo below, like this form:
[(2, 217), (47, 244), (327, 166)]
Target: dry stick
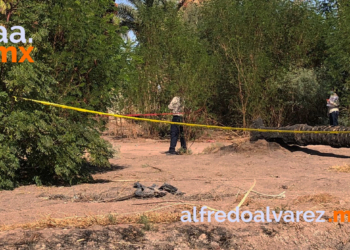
[(156, 202), (281, 195), (237, 194), (246, 195), (121, 198), (157, 169)]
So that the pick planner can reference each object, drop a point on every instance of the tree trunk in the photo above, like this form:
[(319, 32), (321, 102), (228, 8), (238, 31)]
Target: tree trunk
[(303, 139)]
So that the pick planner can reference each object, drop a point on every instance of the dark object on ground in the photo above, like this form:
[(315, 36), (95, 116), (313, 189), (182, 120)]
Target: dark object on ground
[(171, 153), (169, 188), (124, 198), (303, 139), (144, 192), (153, 191), (148, 192)]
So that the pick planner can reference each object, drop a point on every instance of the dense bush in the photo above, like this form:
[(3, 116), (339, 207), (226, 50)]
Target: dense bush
[(76, 62)]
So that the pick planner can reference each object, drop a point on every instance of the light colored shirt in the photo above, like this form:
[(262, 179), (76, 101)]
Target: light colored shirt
[(333, 103), (176, 106)]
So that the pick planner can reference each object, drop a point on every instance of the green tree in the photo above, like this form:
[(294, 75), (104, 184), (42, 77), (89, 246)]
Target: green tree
[(171, 57), (77, 63), (129, 14), (254, 43)]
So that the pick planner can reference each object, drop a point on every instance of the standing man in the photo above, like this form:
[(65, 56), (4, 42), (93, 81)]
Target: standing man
[(333, 108), (176, 105)]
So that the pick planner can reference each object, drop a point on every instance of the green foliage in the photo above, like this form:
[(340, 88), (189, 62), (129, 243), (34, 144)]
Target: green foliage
[(170, 56), (255, 43), (77, 62), (131, 17), (112, 219), (337, 62), (234, 60), (182, 151), (147, 226), (297, 96)]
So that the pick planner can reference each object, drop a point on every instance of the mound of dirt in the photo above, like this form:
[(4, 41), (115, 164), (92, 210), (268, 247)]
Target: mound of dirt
[(260, 146)]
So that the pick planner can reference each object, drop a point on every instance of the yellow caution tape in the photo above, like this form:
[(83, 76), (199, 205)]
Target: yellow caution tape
[(184, 124)]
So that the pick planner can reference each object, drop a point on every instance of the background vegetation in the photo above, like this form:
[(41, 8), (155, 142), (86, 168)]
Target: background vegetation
[(276, 59)]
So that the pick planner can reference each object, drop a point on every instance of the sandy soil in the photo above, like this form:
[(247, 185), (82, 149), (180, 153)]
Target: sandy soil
[(217, 180)]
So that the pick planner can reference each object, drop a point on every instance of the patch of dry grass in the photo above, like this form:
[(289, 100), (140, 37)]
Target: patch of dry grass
[(182, 151), (317, 198), (213, 148), (342, 169), (102, 220), (219, 193), (209, 196)]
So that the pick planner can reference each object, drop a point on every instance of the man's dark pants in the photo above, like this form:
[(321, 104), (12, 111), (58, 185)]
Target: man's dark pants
[(175, 132), (333, 118)]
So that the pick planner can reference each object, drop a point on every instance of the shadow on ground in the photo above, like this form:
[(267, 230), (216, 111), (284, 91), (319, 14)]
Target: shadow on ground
[(311, 151), (100, 170)]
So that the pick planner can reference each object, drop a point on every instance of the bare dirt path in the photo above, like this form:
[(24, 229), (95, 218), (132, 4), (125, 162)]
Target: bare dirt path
[(217, 180)]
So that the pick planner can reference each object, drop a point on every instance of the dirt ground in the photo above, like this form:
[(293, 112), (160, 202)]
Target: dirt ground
[(217, 174)]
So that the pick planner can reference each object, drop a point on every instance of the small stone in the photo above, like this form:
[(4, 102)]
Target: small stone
[(202, 237), (215, 245), (216, 237)]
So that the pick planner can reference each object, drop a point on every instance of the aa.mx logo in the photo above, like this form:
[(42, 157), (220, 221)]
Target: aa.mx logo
[(14, 39)]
